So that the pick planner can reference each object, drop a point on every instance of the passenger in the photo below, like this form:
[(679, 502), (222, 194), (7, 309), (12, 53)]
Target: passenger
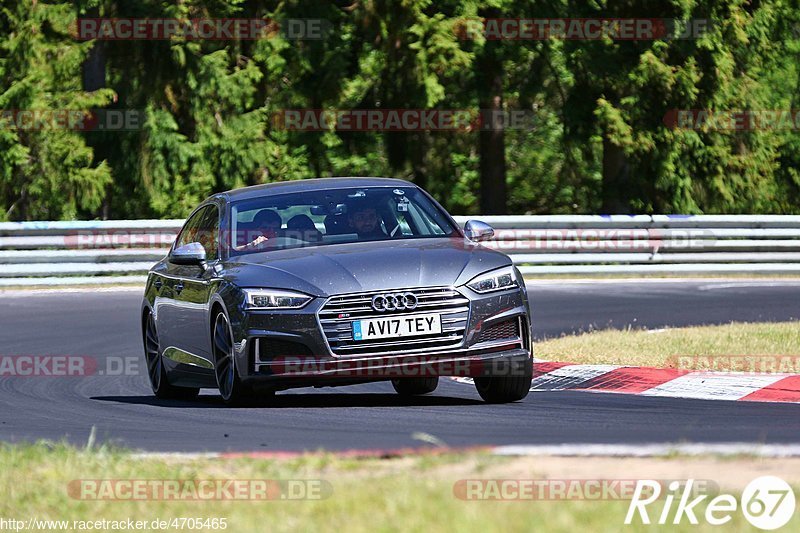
[(302, 227)]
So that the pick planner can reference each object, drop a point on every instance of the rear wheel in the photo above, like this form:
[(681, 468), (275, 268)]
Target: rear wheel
[(161, 386), (507, 388), (231, 388), (415, 386)]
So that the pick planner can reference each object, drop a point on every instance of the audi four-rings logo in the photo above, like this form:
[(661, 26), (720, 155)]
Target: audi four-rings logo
[(396, 301)]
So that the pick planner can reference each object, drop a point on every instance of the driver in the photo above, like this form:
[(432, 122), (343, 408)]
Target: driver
[(268, 223), (364, 219)]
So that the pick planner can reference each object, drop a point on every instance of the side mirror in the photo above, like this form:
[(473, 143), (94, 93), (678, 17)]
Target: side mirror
[(188, 254), (478, 231)]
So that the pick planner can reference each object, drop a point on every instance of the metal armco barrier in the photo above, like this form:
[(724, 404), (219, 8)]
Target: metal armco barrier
[(41, 253)]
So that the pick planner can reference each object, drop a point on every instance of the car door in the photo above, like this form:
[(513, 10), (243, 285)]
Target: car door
[(171, 318), (192, 288)]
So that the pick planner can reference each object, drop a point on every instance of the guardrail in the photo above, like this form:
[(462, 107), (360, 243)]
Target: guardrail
[(40, 253)]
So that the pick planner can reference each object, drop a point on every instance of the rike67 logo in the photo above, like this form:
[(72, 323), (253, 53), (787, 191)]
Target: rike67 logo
[(767, 502)]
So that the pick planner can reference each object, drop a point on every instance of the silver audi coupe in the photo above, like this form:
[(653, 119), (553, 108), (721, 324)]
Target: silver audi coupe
[(334, 281)]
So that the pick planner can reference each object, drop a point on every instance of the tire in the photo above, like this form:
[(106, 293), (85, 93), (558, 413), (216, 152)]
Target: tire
[(156, 372), (506, 389), (231, 388), (415, 386)]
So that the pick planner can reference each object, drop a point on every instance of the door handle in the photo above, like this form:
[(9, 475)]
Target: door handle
[(158, 284), (179, 287)]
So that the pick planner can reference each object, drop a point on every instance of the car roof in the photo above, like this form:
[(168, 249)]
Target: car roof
[(305, 185)]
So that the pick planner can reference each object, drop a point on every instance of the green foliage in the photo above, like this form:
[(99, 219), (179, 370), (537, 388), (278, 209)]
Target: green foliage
[(45, 173), (601, 141)]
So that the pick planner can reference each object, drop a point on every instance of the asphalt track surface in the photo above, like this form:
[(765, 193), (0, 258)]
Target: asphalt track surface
[(371, 416)]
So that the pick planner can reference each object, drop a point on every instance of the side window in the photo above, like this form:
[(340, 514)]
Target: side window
[(190, 229), (208, 232)]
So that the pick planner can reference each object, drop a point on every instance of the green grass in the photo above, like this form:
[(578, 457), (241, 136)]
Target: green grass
[(664, 348), (403, 494)]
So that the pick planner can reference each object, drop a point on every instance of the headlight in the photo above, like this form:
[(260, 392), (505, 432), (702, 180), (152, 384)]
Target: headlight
[(496, 280), (275, 299)]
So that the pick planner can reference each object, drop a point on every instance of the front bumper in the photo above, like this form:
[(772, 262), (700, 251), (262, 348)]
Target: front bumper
[(284, 349), (330, 372)]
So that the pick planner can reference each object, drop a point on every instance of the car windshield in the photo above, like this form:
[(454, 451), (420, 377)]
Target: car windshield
[(335, 216)]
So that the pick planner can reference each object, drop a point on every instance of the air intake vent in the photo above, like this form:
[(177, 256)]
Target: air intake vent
[(508, 329), (266, 350)]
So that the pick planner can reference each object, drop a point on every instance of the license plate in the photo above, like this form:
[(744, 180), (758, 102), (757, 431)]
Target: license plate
[(396, 326)]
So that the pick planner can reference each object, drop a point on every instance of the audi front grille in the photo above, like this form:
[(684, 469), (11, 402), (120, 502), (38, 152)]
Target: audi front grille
[(339, 312)]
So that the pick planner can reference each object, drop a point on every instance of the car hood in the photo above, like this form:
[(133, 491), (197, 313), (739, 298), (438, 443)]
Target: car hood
[(368, 266)]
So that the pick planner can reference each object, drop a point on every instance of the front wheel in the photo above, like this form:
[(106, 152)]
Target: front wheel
[(161, 386), (415, 386), (231, 388), (506, 389)]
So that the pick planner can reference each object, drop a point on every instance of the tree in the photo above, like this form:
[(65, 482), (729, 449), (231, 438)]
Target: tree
[(47, 171)]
